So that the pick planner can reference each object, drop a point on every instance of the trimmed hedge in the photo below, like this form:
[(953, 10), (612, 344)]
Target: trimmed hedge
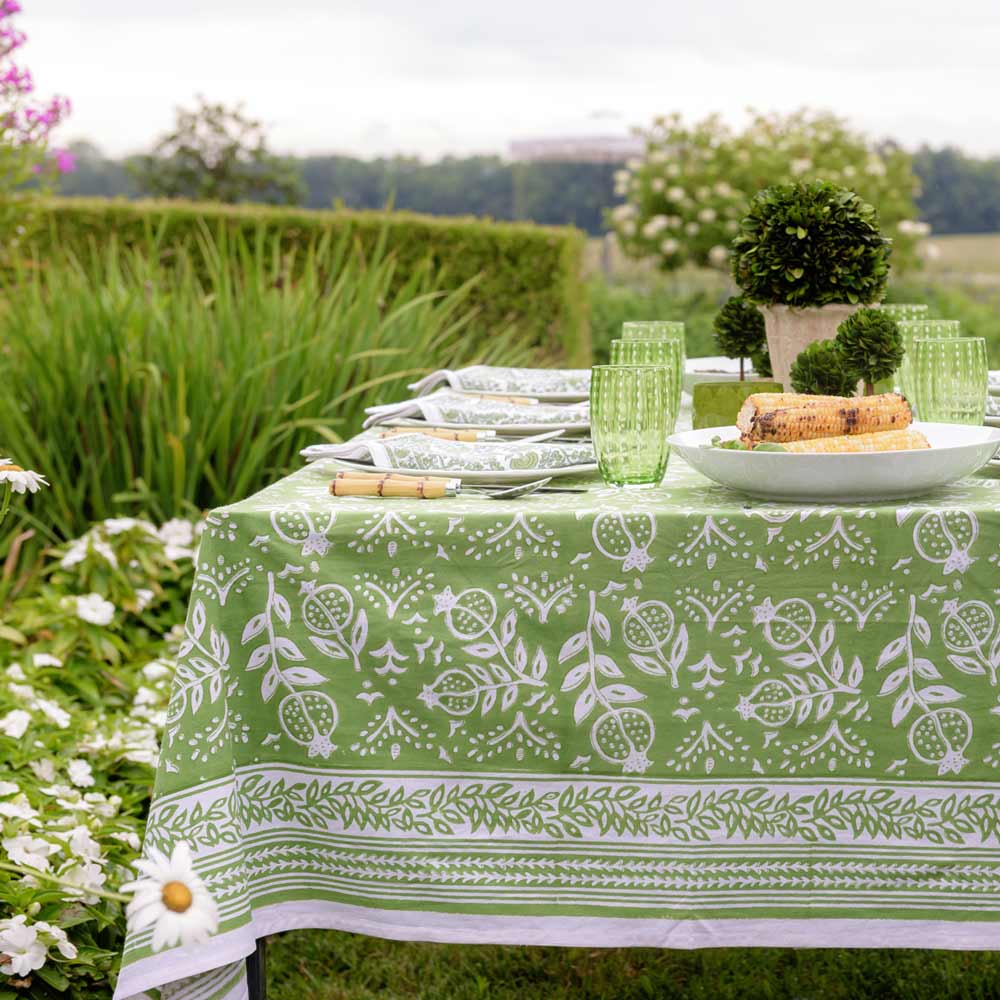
[(526, 275)]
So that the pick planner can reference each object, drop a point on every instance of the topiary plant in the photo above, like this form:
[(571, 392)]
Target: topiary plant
[(811, 244), (739, 330), (762, 362), (820, 371), (871, 345)]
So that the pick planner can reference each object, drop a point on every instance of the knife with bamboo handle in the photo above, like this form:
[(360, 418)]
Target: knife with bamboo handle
[(395, 484)]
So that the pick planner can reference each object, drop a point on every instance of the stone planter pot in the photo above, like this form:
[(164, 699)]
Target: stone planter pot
[(790, 331), (716, 404)]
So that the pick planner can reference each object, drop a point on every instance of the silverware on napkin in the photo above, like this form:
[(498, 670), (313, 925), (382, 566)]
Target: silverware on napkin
[(395, 484)]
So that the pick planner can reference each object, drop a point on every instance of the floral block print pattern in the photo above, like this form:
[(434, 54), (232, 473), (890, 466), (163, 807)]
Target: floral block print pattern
[(679, 717), (526, 381)]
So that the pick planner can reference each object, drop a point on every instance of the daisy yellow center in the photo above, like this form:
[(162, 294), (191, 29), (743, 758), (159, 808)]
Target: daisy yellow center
[(11, 468), (177, 897)]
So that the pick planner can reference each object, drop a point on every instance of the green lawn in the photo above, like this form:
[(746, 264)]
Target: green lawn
[(326, 965), (975, 254)]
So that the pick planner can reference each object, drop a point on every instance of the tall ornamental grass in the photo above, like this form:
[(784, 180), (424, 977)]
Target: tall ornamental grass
[(162, 381)]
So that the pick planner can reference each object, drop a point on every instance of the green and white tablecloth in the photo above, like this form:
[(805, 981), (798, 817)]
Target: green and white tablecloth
[(673, 717)]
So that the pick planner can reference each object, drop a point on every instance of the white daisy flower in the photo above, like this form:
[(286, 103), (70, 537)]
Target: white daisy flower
[(20, 950), (80, 773), (172, 899), (21, 480), (95, 609), (14, 723), (32, 852), (46, 660)]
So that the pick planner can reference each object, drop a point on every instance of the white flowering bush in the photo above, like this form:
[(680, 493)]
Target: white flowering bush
[(85, 673), (685, 197)]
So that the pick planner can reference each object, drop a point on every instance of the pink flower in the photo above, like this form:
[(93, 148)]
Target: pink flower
[(65, 161), (9, 7)]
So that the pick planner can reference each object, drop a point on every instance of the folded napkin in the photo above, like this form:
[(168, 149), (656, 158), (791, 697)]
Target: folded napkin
[(569, 382), (449, 407), (994, 383), (434, 455), (993, 406)]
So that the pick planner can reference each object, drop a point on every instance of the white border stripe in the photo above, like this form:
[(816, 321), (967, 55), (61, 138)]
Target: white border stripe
[(586, 932)]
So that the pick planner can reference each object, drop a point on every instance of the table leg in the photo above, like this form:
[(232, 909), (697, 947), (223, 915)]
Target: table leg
[(257, 971)]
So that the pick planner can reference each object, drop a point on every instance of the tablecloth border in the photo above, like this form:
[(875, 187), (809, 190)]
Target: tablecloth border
[(586, 932)]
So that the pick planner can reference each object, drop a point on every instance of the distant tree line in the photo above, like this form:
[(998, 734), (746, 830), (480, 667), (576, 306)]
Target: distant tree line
[(960, 193)]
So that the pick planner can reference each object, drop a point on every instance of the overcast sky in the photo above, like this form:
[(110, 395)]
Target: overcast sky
[(461, 76)]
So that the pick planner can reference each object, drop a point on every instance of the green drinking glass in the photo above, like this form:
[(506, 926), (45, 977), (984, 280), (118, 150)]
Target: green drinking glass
[(920, 329), (631, 413), (656, 330), (653, 352), (903, 312), (951, 379)]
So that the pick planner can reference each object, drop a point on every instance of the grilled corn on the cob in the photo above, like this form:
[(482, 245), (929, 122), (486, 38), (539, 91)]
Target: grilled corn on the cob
[(905, 439), (784, 417)]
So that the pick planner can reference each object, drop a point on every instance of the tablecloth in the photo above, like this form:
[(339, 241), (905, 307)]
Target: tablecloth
[(672, 717)]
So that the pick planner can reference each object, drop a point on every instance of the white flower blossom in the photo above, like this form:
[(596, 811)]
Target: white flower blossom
[(9, 788), (21, 480), (85, 877), (18, 808), (692, 228), (53, 712), (172, 899), (44, 769), (46, 660), (673, 170), (800, 165), (156, 670), (707, 214), (20, 950), (14, 723), (32, 852), (80, 773), (58, 938), (676, 193), (16, 672), (669, 246), (875, 167), (128, 837), (95, 609), (118, 525), (82, 844)]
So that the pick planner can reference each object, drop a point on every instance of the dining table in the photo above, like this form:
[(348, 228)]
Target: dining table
[(673, 717)]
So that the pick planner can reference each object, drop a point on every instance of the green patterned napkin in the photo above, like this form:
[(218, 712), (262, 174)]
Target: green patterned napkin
[(426, 454), (449, 407), (570, 383)]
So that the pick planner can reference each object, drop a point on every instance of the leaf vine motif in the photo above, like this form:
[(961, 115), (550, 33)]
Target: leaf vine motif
[(204, 672), (621, 735)]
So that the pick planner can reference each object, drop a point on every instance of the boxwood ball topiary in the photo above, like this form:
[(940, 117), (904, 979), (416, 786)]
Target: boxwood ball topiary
[(762, 362), (819, 370), (871, 345), (810, 245), (739, 328)]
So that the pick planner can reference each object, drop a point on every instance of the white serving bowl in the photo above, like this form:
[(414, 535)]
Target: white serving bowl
[(956, 450)]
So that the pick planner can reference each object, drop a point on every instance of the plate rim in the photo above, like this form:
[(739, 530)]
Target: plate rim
[(478, 475)]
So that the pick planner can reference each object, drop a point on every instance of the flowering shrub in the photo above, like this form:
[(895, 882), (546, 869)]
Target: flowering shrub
[(26, 162), (684, 199), (85, 672)]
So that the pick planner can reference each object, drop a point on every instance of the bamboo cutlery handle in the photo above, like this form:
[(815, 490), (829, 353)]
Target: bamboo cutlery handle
[(435, 432), (390, 484)]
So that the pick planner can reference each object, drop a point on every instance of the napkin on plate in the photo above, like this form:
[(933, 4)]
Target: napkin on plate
[(449, 407), (434, 455), (571, 382)]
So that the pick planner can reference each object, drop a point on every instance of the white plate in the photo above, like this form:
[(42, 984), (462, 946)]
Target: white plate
[(507, 430), (511, 476), (956, 450)]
